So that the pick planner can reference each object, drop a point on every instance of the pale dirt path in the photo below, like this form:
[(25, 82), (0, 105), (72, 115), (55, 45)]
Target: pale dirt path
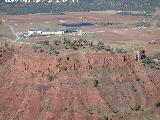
[(12, 31)]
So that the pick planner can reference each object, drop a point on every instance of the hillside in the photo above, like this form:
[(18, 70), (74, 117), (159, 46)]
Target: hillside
[(81, 5), (76, 86), (98, 65)]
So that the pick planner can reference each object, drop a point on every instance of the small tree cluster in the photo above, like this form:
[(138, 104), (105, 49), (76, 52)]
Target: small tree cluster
[(158, 104), (62, 67), (95, 83), (147, 60), (100, 45), (119, 50), (50, 77), (57, 42), (43, 42), (45, 47), (75, 44)]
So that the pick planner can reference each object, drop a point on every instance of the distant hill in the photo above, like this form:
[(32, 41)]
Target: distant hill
[(81, 5)]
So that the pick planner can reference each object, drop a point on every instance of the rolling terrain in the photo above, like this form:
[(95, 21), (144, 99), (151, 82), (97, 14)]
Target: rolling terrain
[(76, 86), (92, 73), (81, 5)]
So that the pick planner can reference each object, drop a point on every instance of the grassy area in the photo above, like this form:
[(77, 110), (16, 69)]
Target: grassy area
[(150, 61), (6, 32), (43, 42), (143, 24), (58, 46), (157, 56)]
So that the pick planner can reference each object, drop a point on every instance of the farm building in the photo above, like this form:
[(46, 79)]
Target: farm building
[(25, 34), (34, 32), (52, 32), (47, 31), (70, 29), (31, 33)]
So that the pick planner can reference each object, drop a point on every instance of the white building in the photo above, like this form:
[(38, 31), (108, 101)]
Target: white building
[(43, 32), (52, 32), (34, 32)]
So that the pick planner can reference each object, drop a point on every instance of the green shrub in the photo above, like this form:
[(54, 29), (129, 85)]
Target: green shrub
[(75, 44), (85, 41), (143, 24), (147, 60), (62, 67), (136, 108), (158, 104), (108, 48), (158, 25), (80, 41), (56, 52), (34, 75), (100, 45), (57, 42), (116, 109), (119, 50), (43, 42), (157, 56), (50, 77), (66, 41), (95, 83)]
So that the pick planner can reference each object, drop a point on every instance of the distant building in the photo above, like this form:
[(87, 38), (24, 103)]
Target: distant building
[(25, 34), (80, 32), (33, 32), (52, 32), (70, 29), (48, 31)]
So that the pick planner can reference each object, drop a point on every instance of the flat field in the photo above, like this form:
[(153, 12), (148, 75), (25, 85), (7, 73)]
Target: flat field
[(110, 28)]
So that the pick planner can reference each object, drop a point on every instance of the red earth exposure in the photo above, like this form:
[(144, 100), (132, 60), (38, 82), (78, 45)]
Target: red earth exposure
[(91, 86)]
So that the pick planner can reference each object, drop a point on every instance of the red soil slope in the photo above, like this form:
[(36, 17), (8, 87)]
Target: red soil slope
[(77, 86)]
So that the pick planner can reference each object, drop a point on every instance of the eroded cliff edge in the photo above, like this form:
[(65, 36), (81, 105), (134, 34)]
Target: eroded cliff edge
[(91, 86)]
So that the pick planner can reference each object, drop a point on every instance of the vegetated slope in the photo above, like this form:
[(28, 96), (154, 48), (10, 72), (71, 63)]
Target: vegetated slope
[(81, 5), (91, 86)]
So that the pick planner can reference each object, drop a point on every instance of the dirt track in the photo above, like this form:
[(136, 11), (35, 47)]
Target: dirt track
[(122, 33)]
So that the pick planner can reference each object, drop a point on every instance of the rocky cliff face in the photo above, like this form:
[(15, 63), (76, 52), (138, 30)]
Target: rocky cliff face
[(71, 62), (95, 86)]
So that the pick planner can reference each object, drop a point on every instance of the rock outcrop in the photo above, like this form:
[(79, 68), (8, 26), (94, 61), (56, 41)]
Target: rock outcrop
[(93, 86)]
